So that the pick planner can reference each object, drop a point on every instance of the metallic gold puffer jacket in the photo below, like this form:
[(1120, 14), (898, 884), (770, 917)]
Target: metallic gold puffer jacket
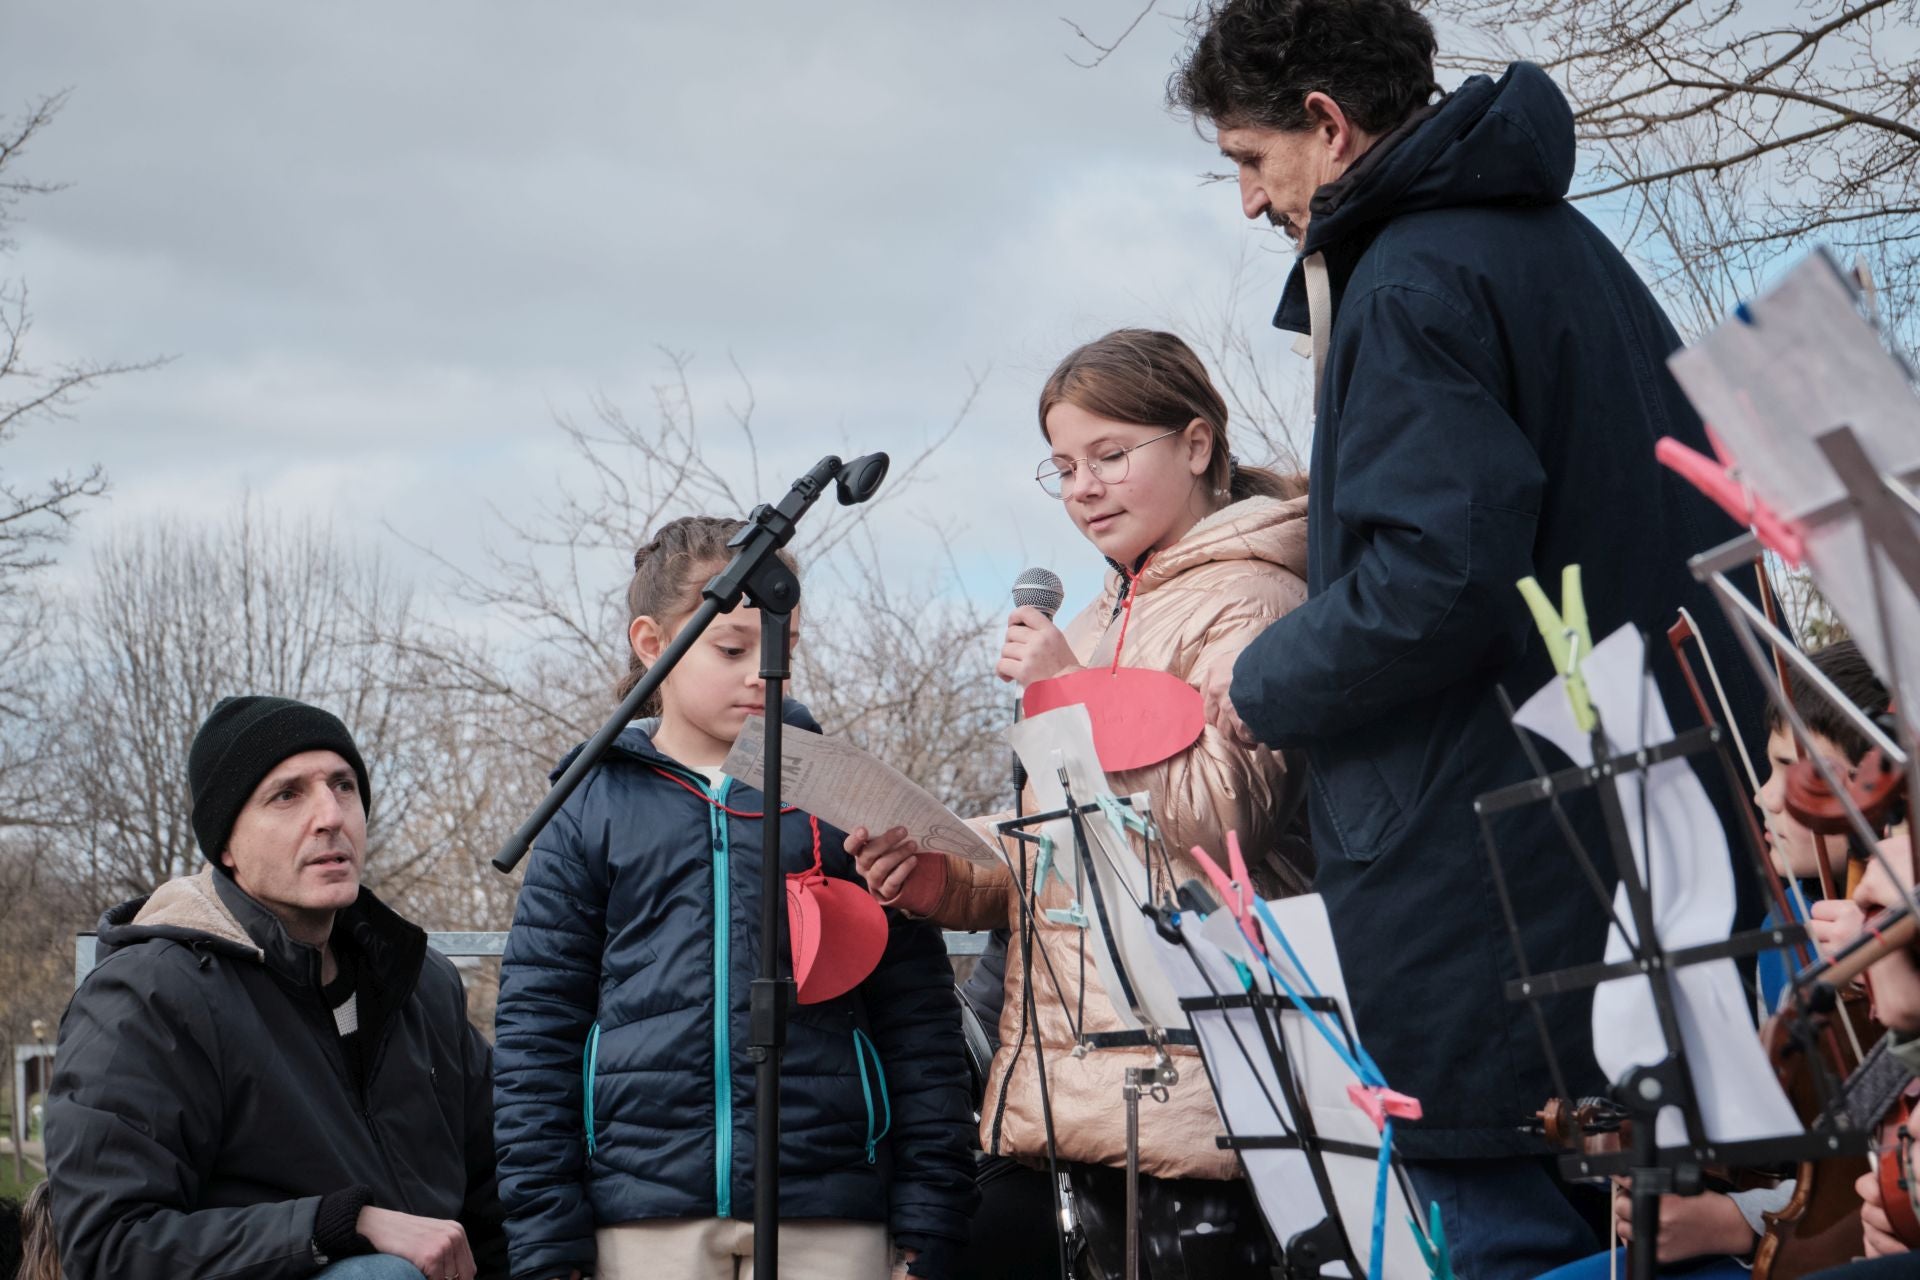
[(1197, 603)]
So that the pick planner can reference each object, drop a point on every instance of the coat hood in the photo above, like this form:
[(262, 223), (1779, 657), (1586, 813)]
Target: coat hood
[(1489, 142), (1269, 529), (188, 910), (1504, 142), (210, 911)]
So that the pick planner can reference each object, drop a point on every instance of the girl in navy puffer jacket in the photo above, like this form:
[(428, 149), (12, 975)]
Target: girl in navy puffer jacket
[(624, 1096)]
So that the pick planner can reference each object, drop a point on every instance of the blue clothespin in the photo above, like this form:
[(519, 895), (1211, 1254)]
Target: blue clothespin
[(1568, 638)]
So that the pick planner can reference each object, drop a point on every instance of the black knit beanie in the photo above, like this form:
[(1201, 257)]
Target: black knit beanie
[(241, 743)]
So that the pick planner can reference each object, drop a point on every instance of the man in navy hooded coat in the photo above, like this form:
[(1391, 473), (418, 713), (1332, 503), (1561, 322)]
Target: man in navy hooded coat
[(1490, 381)]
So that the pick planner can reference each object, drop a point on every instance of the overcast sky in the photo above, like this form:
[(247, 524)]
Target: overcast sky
[(386, 243)]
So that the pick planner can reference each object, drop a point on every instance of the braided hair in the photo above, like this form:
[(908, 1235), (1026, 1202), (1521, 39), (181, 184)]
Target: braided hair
[(668, 573)]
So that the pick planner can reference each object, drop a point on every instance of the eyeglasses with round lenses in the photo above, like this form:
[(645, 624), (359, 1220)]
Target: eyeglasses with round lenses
[(1109, 468)]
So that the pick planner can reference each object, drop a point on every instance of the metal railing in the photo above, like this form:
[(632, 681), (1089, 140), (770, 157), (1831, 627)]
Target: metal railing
[(85, 947)]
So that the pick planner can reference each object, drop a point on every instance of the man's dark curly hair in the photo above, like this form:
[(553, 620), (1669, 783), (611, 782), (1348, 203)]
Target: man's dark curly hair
[(1253, 62)]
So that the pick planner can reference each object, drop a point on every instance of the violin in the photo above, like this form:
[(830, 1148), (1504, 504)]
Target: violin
[(1820, 1225), (1895, 1146), (1876, 789)]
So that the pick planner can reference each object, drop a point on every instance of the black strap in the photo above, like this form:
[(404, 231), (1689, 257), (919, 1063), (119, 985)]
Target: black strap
[(1137, 1039)]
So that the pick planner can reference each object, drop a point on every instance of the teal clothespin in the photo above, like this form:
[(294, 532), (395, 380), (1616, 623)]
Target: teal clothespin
[(1568, 638), (1246, 974), (1044, 865), (1433, 1244), (1072, 914), (1123, 818)]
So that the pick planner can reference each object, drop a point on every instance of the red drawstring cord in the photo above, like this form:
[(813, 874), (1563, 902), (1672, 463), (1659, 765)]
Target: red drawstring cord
[(812, 822), (1126, 611)]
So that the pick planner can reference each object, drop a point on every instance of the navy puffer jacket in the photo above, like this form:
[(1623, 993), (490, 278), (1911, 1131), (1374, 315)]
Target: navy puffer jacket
[(623, 1090)]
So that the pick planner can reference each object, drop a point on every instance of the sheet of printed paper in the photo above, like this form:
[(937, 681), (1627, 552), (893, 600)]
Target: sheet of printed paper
[(1247, 1088), (1064, 737), (1803, 362), (1684, 860), (841, 784)]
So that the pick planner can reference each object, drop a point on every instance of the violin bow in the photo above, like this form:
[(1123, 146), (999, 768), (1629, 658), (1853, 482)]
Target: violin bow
[(1678, 634)]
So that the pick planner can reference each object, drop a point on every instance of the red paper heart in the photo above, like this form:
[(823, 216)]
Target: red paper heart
[(838, 933), (1140, 717)]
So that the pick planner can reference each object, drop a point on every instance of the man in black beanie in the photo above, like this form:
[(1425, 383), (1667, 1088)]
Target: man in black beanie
[(268, 1073)]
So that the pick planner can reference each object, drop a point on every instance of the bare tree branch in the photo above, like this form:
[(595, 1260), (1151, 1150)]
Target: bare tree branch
[(1103, 51)]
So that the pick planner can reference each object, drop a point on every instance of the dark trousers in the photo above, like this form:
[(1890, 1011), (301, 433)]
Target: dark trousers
[(1510, 1219), (1190, 1228), (1016, 1235)]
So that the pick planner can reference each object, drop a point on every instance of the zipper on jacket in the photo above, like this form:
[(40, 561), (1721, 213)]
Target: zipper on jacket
[(589, 1061), (363, 1090), (863, 1049), (722, 1004)]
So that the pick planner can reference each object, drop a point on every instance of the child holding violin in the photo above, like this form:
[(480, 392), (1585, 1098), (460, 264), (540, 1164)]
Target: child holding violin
[(1715, 1233), (1894, 985)]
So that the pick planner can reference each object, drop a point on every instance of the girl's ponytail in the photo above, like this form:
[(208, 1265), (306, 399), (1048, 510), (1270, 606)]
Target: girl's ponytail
[(668, 573), (1262, 482)]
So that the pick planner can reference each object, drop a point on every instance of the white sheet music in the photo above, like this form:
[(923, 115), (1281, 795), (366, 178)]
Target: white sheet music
[(1684, 860), (1064, 737), (1247, 1086)]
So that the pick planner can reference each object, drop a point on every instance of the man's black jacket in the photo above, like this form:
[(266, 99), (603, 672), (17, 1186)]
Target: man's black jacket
[(202, 1105), (1494, 385)]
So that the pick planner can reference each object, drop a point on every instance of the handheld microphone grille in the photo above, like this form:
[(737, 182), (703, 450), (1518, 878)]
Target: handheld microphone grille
[(1040, 588)]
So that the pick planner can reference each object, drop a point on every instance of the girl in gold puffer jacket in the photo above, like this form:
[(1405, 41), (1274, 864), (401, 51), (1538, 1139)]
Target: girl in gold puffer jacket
[(1211, 552)]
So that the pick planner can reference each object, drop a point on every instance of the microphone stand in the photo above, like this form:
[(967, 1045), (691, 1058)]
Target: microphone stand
[(758, 574)]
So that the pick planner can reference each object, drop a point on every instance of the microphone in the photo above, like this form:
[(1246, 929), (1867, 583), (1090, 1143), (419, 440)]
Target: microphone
[(1040, 589)]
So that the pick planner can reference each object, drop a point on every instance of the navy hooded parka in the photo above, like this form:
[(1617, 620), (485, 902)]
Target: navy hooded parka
[(623, 1088), (1494, 383)]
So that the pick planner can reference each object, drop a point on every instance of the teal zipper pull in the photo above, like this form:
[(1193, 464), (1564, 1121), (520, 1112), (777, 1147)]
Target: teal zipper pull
[(862, 1049), (589, 1060)]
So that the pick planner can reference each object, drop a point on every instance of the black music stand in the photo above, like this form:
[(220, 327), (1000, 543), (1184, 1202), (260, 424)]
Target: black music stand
[(1645, 1091)]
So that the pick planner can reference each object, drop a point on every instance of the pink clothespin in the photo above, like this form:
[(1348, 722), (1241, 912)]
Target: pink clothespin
[(1234, 888), (1380, 1103), (1720, 482)]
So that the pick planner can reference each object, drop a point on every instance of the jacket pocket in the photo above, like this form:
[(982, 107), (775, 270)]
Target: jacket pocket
[(873, 1085), (1356, 806)]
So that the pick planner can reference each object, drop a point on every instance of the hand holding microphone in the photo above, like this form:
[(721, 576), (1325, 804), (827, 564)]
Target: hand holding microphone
[(1035, 649)]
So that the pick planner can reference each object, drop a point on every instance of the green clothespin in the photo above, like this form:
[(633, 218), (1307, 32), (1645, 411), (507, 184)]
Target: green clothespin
[(1568, 638), (1433, 1245)]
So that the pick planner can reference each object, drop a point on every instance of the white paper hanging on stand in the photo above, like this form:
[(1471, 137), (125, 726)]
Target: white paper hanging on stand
[(1250, 1094), (1064, 736), (1684, 861), (1803, 362)]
